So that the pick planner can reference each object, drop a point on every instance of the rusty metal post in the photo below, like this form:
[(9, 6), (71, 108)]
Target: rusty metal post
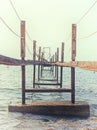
[(39, 65), (57, 60), (53, 58), (42, 57), (55, 66), (62, 60), (73, 55), (23, 58), (34, 59)]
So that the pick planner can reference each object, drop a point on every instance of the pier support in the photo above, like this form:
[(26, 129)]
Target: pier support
[(34, 58), (59, 108), (39, 57), (73, 55), (62, 60), (64, 108), (42, 57), (23, 58), (57, 66)]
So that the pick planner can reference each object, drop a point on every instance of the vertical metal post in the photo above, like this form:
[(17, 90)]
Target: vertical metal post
[(34, 58), (53, 61), (62, 60), (39, 65), (73, 55), (42, 65), (57, 60), (55, 66), (23, 58)]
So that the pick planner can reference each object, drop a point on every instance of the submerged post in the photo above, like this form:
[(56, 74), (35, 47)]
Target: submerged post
[(73, 55), (34, 58), (23, 58), (62, 60)]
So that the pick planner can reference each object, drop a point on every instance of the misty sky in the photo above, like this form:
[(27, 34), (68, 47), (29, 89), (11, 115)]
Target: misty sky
[(49, 23)]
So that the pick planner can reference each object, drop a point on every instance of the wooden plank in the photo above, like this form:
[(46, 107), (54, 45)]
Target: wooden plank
[(48, 90), (87, 65)]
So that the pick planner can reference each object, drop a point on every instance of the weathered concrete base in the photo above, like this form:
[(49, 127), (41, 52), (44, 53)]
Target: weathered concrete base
[(63, 108)]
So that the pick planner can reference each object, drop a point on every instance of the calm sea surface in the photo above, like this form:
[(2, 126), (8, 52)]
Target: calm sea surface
[(10, 91)]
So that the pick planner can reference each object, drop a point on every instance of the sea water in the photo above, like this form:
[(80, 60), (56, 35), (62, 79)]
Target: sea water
[(10, 91)]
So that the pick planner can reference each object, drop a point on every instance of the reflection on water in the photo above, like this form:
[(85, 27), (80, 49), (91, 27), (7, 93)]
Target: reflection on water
[(10, 91)]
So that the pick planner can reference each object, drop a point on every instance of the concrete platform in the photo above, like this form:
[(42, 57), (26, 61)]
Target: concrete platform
[(61, 108)]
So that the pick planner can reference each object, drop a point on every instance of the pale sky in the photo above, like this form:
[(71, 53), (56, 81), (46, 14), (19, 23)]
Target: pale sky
[(49, 23)]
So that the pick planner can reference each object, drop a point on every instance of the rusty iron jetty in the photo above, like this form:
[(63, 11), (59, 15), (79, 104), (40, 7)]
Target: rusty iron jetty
[(55, 66)]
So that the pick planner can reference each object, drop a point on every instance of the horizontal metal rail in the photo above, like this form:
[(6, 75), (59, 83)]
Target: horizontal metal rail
[(48, 79), (48, 90), (46, 70), (47, 84)]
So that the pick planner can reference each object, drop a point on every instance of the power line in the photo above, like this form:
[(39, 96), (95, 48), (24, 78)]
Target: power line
[(19, 18), (8, 27), (88, 35), (29, 36), (28, 50), (68, 37), (26, 30), (14, 10), (87, 12)]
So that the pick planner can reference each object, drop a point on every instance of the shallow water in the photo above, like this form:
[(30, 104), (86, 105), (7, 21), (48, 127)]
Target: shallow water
[(10, 91)]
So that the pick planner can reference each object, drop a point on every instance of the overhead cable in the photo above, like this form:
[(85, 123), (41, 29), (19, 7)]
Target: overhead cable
[(87, 12), (29, 50), (29, 36), (88, 35), (14, 9), (19, 18), (8, 27)]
